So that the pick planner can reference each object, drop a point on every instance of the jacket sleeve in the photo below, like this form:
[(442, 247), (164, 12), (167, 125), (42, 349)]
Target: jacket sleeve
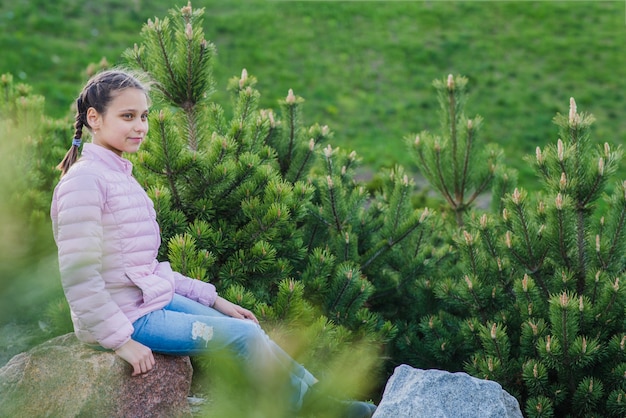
[(193, 289), (77, 209)]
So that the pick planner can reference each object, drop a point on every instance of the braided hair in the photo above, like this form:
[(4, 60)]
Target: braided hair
[(98, 93)]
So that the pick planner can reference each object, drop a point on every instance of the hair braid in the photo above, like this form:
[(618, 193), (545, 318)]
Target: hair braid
[(72, 154)]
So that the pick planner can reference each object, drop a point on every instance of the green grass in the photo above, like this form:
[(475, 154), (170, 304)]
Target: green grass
[(364, 68)]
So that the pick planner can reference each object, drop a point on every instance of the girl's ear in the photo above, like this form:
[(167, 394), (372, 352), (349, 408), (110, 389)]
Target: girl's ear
[(94, 119)]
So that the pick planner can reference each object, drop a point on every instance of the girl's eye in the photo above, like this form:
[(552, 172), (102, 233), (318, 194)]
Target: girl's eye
[(144, 117), (127, 116)]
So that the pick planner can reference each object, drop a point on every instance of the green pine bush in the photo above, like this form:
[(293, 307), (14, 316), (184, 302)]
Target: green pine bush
[(536, 303)]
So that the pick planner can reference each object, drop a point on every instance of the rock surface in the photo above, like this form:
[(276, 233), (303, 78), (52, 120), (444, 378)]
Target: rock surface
[(416, 393), (65, 378)]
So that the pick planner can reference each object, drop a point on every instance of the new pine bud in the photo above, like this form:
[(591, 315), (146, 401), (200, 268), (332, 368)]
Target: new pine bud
[(469, 240), (270, 115), (573, 116), (541, 207), (469, 283), (601, 166), (563, 181), (560, 152), (516, 196), (470, 325), (539, 156), (244, 78), (450, 82), (186, 11), (291, 98), (507, 239), (559, 201)]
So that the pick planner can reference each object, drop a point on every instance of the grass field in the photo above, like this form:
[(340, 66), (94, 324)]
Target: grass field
[(365, 68)]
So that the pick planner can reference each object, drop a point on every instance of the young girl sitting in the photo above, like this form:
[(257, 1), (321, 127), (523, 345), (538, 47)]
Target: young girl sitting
[(121, 297)]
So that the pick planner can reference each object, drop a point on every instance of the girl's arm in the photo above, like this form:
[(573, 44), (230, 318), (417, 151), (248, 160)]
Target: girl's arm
[(76, 211), (193, 289), (137, 355), (228, 308)]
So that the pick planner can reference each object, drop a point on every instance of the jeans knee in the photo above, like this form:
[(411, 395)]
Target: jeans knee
[(201, 332)]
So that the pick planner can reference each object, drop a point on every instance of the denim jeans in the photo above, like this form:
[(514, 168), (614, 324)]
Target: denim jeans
[(187, 328)]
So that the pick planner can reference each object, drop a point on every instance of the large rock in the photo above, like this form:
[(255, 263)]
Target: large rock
[(65, 378), (415, 393)]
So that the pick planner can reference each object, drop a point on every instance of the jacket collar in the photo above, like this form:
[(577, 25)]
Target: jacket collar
[(108, 157)]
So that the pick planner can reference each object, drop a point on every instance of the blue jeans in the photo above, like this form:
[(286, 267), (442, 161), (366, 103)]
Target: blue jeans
[(187, 328)]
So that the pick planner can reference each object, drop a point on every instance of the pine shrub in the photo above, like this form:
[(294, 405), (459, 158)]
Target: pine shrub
[(536, 303)]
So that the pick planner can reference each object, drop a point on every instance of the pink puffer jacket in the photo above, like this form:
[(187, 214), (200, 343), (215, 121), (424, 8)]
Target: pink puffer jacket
[(106, 232)]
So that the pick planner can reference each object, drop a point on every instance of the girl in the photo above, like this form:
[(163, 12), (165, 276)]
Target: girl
[(121, 297)]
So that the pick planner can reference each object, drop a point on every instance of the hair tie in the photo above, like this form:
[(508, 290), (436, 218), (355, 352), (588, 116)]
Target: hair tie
[(76, 142)]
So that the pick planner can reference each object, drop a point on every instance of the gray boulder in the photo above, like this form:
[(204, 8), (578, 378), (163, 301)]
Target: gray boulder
[(65, 378), (415, 393)]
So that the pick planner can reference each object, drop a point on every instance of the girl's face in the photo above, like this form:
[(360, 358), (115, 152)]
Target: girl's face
[(124, 124)]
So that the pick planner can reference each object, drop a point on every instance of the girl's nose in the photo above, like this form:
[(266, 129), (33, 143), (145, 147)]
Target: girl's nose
[(141, 126)]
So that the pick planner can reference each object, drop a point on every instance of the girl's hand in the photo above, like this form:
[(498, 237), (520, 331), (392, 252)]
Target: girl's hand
[(137, 355), (230, 309)]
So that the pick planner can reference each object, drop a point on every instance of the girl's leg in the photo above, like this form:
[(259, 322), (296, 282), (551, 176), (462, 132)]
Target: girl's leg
[(185, 327)]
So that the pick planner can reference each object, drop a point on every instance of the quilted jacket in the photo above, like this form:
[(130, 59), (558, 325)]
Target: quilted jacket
[(105, 228)]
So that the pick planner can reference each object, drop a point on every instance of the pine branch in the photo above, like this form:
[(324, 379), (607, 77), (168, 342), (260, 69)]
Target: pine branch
[(582, 268), (468, 147), (451, 118), (308, 157), (389, 243), (442, 184)]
